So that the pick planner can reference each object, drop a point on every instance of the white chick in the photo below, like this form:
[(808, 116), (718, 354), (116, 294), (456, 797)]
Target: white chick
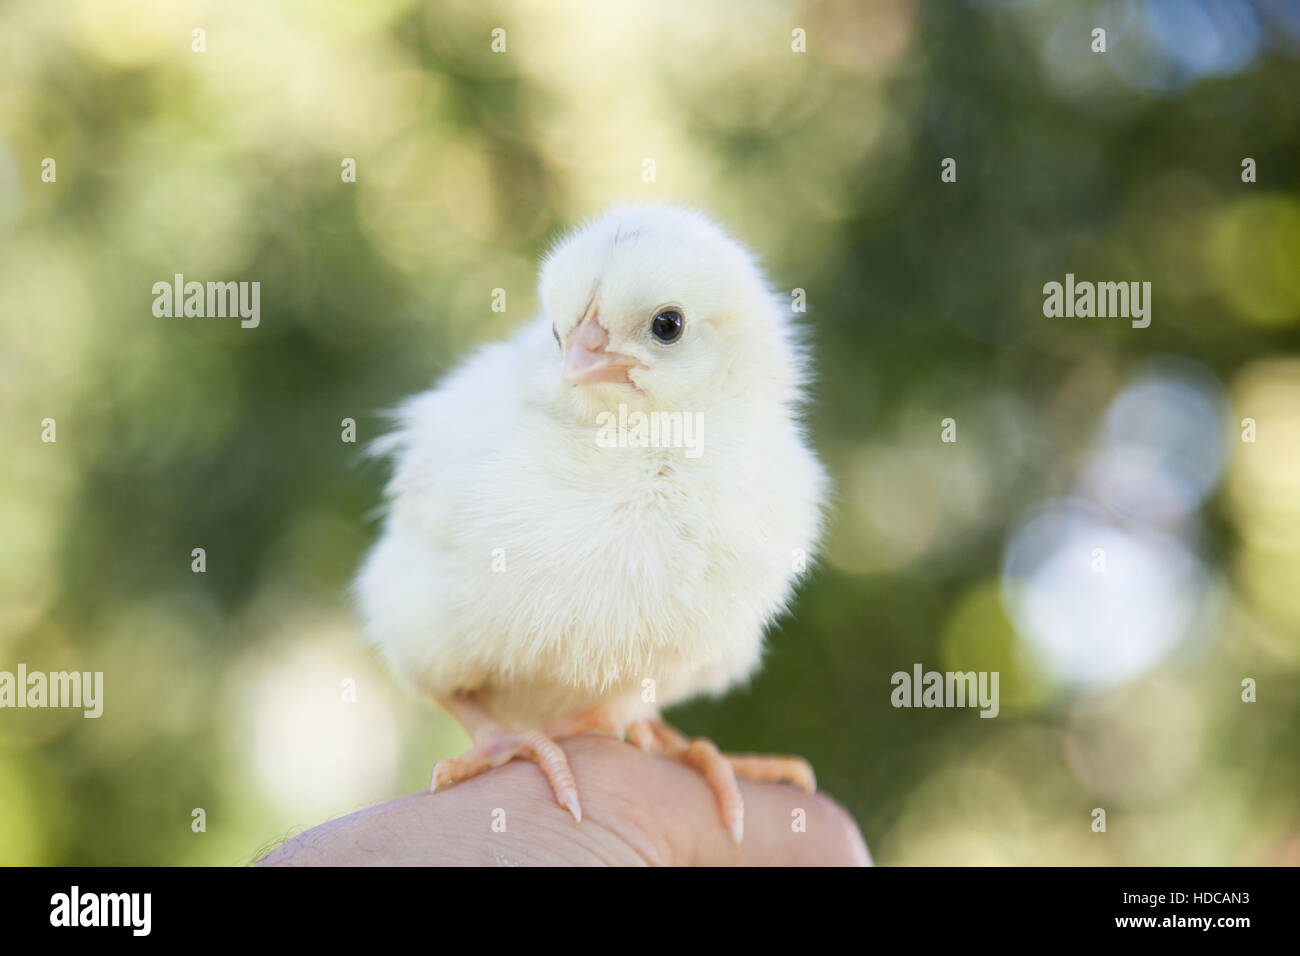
[(539, 580)]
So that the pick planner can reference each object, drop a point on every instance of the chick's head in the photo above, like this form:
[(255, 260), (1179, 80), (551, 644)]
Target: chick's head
[(657, 307)]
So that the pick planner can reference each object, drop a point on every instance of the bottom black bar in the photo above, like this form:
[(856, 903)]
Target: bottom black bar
[(331, 906)]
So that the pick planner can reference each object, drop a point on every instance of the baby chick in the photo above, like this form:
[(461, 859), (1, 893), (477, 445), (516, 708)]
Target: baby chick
[(540, 579)]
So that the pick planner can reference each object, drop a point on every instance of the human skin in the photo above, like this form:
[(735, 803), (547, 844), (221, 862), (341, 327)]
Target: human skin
[(638, 809)]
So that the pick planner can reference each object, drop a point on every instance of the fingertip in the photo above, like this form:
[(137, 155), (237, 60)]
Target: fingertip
[(844, 832)]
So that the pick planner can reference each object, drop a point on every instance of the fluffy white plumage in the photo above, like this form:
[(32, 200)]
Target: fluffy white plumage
[(621, 565)]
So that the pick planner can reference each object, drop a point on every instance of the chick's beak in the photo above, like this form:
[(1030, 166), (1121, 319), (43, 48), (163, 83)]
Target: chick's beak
[(587, 361)]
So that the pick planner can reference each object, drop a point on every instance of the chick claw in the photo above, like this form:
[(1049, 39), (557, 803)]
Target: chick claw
[(721, 770), (496, 748)]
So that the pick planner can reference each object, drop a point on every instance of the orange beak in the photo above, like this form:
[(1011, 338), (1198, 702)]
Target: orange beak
[(587, 361)]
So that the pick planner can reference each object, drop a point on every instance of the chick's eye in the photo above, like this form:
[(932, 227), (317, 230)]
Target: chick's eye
[(667, 326)]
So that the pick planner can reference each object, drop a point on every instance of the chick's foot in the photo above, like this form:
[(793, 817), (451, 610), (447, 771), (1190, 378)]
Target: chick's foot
[(495, 747), (721, 770), (762, 768)]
